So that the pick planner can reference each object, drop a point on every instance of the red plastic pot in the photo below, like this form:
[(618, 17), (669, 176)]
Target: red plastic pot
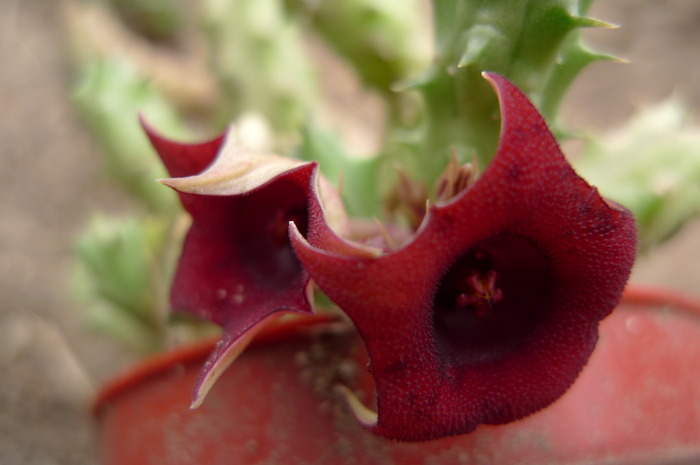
[(637, 402)]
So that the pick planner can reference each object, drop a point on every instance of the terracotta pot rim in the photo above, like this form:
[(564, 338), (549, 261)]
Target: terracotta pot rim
[(285, 329), (196, 352)]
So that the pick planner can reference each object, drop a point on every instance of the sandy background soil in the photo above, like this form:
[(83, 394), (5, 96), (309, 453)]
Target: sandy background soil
[(50, 182)]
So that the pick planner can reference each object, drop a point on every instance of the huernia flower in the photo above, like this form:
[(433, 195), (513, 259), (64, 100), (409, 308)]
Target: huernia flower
[(490, 311)]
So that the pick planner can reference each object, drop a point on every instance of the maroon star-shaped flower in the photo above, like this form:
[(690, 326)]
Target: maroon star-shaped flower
[(237, 267), (490, 311)]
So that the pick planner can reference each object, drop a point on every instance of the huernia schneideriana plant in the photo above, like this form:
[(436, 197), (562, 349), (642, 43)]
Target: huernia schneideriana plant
[(485, 315)]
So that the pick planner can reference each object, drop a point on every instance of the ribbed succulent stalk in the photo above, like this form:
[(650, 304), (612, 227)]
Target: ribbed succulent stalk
[(534, 43), (109, 96), (260, 62), (383, 41)]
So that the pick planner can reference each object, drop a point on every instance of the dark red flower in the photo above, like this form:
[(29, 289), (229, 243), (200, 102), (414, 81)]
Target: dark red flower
[(237, 266), (491, 310)]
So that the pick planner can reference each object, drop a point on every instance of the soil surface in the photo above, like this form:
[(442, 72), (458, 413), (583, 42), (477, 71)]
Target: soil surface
[(51, 182)]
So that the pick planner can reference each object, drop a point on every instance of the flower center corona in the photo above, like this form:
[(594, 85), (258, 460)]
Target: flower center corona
[(491, 299), (479, 292)]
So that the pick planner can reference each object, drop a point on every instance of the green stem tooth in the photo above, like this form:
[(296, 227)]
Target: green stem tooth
[(574, 58), (587, 21)]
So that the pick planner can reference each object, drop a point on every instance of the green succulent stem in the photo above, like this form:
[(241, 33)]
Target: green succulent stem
[(535, 43), (258, 57), (384, 42), (110, 96)]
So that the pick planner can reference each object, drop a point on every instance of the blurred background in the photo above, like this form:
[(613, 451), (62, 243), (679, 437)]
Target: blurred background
[(52, 181)]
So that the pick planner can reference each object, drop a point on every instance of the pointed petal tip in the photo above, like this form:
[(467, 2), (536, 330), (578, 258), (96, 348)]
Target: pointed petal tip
[(328, 243), (197, 402), (153, 134), (225, 353), (495, 79), (184, 185), (491, 76), (143, 121), (167, 182), (146, 124), (295, 235), (500, 85), (182, 159), (237, 170), (366, 417)]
